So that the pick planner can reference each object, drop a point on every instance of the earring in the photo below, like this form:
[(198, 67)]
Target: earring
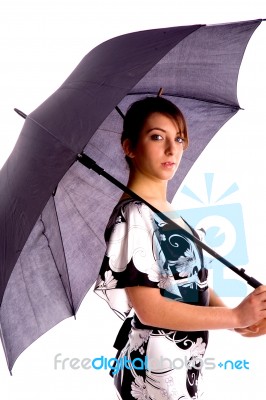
[(130, 155)]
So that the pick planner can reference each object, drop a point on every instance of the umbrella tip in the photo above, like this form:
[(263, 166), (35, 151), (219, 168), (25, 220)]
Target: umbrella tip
[(120, 112), (160, 92), (20, 113)]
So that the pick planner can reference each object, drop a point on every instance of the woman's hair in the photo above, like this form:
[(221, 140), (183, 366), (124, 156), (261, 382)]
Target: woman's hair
[(140, 110)]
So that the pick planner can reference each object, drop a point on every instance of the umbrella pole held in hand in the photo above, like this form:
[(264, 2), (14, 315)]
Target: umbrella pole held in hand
[(91, 164)]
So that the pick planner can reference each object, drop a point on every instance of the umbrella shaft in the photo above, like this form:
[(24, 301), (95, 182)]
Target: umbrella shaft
[(91, 164)]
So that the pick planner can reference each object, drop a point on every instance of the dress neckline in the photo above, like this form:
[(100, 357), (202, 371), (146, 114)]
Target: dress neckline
[(129, 199)]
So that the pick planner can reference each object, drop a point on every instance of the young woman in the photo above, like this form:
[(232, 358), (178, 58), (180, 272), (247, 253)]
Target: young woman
[(157, 271)]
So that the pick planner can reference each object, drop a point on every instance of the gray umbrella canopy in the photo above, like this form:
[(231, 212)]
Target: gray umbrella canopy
[(53, 211)]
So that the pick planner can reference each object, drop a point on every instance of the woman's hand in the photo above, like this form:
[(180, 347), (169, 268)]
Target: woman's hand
[(252, 311), (255, 330)]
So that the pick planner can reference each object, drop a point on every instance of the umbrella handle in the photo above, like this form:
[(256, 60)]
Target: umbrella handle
[(91, 164)]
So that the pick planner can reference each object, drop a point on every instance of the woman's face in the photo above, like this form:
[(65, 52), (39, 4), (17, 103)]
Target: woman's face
[(159, 149)]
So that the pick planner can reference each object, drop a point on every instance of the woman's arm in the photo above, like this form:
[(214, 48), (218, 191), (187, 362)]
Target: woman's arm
[(255, 330), (155, 310)]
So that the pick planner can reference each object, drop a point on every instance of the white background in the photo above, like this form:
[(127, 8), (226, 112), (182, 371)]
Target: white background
[(41, 42)]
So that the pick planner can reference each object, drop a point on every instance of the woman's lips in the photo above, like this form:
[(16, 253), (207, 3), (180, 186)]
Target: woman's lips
[(168, 164)]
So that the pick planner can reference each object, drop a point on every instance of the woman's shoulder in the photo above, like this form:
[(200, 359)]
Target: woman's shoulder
[(129, 205), (127, 210)]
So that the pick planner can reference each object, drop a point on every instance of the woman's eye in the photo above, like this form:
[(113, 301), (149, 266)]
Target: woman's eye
[(179, 139), (156, 137)]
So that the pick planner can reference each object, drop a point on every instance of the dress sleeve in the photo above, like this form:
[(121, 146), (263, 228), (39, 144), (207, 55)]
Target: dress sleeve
[(133, 257)]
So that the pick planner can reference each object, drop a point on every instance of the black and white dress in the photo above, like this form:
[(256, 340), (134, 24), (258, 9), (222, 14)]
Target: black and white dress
[(143, 250)]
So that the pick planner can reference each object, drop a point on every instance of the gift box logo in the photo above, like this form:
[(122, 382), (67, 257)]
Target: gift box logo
[(225, 234), (224, 229)]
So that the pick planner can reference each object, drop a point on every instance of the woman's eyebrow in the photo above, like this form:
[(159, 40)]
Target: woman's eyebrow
[(160, 129), (157, 129)]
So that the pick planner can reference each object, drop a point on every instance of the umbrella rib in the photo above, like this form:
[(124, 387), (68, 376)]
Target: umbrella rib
[(29, 295), (5, 348), (71, 303), (50, 133), (189, 98), (101, 191), (81, 214)]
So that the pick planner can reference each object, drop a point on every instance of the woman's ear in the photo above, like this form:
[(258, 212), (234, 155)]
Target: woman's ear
[(127, 148)]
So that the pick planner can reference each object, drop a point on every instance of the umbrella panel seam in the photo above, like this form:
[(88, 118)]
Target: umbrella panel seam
[(51, 133), (28, 295), (93, 187), (60, 275), (225, 105), (4, 347), (81, 214)]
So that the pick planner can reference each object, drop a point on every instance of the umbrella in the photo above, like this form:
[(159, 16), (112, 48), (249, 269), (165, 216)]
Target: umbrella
[(53, 211)]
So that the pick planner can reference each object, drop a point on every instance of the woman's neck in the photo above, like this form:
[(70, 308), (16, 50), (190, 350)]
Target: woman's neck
[(153, 191)]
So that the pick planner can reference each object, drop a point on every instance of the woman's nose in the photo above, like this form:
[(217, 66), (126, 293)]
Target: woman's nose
[(171, 147)]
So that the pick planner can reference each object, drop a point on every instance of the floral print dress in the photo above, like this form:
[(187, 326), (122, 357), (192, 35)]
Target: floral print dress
[(143, 250)]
